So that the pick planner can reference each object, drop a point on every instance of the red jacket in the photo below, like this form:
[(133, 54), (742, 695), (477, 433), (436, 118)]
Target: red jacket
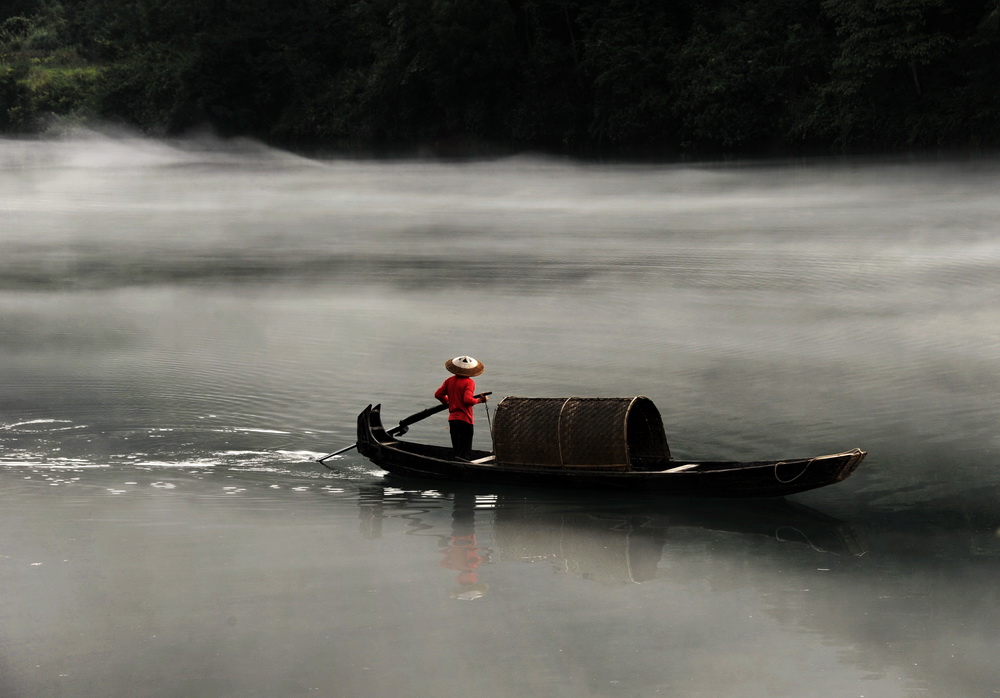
[(458, 393)]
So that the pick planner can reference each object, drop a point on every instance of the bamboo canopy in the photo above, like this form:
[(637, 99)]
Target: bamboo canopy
[(604, 433)]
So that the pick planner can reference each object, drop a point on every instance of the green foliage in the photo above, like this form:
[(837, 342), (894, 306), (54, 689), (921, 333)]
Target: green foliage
[(571, 74), (891, 57), (553, 98), (32, 94), (975, 109), (15, 99), (742, 73), (146, 90), (41, 77), (17, 8), (60, 91), (630, 56)]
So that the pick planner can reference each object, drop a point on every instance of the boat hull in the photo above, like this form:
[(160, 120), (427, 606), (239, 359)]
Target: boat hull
[(682, 478)]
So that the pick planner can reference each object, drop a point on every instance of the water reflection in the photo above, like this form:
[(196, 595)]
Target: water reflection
[(612, 541), (462, 554), (215, 320)]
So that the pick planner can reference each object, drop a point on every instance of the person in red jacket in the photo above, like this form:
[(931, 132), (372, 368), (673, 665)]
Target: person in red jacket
[(458, 392)]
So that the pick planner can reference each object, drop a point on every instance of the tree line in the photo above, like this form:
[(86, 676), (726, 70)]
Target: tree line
[(572, 75)]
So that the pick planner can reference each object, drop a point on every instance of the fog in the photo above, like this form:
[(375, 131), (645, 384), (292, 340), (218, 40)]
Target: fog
[(186, 325)]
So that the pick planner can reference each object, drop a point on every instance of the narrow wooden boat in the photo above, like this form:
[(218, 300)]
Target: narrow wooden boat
[(596, 443)]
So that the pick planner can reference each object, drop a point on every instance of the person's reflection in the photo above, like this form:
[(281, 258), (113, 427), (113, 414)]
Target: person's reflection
[(461, 552)]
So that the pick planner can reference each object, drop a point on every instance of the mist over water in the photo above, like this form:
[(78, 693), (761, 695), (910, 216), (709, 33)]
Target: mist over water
[(185, 326)]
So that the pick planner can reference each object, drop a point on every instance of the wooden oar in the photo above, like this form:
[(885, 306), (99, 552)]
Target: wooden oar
[(335, 453), (401, 428)]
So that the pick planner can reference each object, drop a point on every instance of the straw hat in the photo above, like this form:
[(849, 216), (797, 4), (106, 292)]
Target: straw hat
[(464, 366)]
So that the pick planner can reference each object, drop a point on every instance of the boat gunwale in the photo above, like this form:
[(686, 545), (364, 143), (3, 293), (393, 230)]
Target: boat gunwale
[(702, 467)]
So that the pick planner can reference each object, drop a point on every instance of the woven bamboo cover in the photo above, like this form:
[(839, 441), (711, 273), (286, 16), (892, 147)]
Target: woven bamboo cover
[(577, 432)]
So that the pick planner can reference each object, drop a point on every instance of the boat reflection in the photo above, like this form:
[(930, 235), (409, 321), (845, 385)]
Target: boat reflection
[(611, 541)]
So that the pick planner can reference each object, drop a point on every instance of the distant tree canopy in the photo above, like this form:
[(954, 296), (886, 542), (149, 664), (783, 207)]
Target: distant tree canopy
[(573, 75)]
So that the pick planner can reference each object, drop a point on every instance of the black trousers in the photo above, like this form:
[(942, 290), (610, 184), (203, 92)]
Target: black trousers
[(461, 438)]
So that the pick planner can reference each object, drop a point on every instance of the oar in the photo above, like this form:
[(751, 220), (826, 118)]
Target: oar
[(335, 453), (402, 427)]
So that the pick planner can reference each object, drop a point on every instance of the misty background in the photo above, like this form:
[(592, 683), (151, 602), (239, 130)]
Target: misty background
[(186, 325)]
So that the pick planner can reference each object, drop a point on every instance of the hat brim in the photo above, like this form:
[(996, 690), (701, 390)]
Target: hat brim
[(467, 372)]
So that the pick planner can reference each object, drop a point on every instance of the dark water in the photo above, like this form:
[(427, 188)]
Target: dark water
[(184, 327)]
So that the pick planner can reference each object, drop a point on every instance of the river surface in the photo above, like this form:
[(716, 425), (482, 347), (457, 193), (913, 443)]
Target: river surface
[(186, 326)]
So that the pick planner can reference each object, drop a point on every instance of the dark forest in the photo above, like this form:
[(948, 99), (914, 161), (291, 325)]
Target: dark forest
[(639, 76)]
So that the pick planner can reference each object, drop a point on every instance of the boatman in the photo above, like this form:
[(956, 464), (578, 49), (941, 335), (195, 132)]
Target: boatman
[(458, 393)]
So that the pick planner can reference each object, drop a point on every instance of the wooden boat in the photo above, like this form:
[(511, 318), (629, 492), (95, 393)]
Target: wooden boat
[(606, 444)]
